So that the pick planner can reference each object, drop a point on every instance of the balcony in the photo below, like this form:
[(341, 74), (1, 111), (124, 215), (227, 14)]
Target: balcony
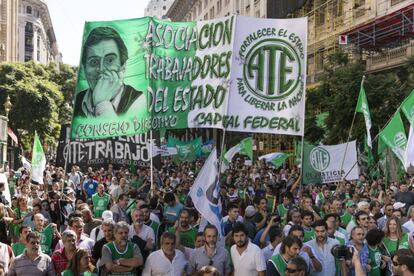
[(390, 58)]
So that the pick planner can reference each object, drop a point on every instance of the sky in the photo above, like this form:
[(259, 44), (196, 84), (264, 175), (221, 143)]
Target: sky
[(69, 16)]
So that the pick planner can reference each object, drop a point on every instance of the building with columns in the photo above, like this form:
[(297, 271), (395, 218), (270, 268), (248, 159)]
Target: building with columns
[(8, 30), (37, 39)]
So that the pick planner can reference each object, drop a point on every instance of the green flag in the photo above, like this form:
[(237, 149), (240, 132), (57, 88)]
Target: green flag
[(298, 153), (362, 107), (38, 161), (276, 158), (246, 147), (407, 107), (184, 153), (368, 153), (393, 135)]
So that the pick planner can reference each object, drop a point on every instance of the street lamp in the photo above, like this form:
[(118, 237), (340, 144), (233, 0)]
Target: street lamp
[(7, 106)]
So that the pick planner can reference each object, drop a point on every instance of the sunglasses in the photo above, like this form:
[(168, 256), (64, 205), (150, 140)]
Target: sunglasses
[(291, 270)]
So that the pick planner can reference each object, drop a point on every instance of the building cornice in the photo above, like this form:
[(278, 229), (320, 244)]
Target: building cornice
[(179, 9)]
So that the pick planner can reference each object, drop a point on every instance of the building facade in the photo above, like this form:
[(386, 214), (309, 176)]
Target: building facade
[(158, 8), (37, 39), (8, 30)]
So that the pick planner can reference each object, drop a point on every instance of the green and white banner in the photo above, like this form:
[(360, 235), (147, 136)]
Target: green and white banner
[(326, 164), (236, 73)]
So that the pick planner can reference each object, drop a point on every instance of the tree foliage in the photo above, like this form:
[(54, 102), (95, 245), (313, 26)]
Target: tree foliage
[(338, 93), (41, 98)]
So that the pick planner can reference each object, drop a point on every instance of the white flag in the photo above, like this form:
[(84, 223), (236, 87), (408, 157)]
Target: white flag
[(409, 150), (26, 163), (163, 150), (205, 192), (38, 161)]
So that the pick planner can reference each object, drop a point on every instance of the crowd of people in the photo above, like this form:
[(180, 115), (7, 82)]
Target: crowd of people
[(111, 221)]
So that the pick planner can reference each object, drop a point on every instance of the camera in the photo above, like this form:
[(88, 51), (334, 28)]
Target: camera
[(342, 252)]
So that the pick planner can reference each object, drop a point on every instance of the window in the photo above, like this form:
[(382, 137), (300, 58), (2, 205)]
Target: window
[(29, 10), (219, 6), (205, 3), (338, 7), (257, 14), (211, 12), (206, 16), (320, 16), (199, 8), (164, 8), (395, 2)]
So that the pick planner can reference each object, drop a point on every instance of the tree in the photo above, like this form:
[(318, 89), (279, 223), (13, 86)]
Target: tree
[(37, 97), (338, 93)]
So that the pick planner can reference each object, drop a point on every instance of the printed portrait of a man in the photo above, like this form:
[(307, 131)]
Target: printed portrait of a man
[(104, 58)]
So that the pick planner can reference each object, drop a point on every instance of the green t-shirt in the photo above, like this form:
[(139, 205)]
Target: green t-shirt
[(46, 237), (100, 204), (374, 256), (279, 263), (346, 218), (136, 183), (70, 273), (187, 238), (116, 255), (391, 245), (309, 234), (18, 248)]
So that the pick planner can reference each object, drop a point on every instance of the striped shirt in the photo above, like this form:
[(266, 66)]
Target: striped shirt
[(41, 266)]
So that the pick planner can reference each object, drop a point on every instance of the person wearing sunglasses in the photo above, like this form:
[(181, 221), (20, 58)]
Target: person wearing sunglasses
[(403, 263), (277, 264), (296, 267), (32, 261)]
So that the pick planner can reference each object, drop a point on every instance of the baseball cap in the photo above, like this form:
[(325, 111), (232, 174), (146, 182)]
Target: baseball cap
[(250, 211), (398, 205), (349, 203), (68, 190), (107, 215)]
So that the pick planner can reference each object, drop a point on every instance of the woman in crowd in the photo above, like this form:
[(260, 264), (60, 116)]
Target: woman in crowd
[(394, 238), (20, 212), (80, 264)]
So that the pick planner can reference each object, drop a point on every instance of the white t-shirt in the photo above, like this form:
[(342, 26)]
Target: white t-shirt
[(158, 264), (145, 233), (409, 225), (249, 262)]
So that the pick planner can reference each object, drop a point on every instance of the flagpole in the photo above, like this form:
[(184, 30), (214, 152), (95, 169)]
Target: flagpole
[(151, 165), (350, 131), (221, 150), (302, 157)]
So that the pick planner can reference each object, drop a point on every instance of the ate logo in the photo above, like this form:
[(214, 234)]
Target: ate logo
[(319, 159), (272, 69), (400, 140)]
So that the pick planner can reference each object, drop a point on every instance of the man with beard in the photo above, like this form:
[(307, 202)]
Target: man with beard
[(322, 246), (210, 254), (167, 260), (357, 241), (141, 234), (403, 263), (289, 249), (32, 261), (247, 257), (146, 214), (187, 233), (121, 256)]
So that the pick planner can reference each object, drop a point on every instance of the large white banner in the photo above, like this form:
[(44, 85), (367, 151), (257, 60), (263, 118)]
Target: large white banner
[(326, 164), (268, 75)]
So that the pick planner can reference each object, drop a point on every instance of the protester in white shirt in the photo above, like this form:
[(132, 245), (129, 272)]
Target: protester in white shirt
[(167, 261), (247, 257)]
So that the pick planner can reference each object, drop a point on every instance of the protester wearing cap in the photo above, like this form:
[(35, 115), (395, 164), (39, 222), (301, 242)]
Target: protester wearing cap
[(347, 216), (399, 206), (361, 206), (404, 195), (96, 233), (249, 222)]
